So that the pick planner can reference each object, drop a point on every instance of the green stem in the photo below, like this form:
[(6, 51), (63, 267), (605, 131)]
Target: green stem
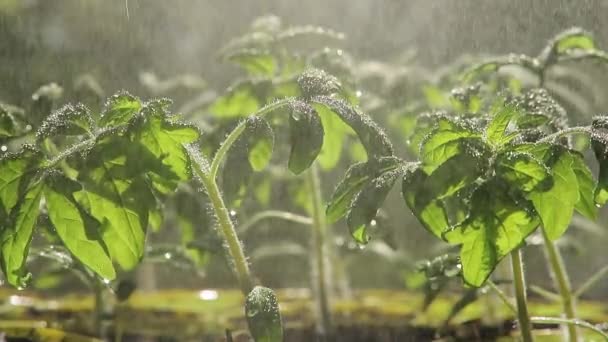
[(98, 309), (283, 215), (572, 130), (563, 283), (502, 296), (320, 273), (235, 250), (236, 133), (519, 283)]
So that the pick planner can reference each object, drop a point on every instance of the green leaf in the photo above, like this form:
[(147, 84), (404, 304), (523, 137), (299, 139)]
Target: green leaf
[(69, 120), (77, 231), (165, 140), (119, 109), (427, 195), (117, 195), (372, 137), (15, 169), (443, 143), (356, 177), (599, 144), (574, 39), (263, 316), (255, 62), (306, 132), (15, 237), (366, 204), (556, 206), (12, 123), (260, 142), (496, 226), (523, 171), (586, 187), (239, 101), (331, 150), (495, 131), (252, 149)]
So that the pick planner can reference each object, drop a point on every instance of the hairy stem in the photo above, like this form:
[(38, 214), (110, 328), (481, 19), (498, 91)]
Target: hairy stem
[(320, 273), (519, 283), (572, 130), (235, 250), (236, 133), (98, 309), (558, 272)]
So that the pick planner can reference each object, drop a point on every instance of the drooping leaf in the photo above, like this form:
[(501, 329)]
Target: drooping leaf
[(16, 236), (599, 144), (77, 232), (556, 205), (356, 177), (263, 316), (523, 171), (367, 202), (306, 132), (496, 226), (586, 187), (372, 137), (119, 109), (428, 209), (69, 120)]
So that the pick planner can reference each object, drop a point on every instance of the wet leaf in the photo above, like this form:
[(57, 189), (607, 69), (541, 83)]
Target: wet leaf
[(367, 202), (315, 82), (306, 132), (556, 206), (76, 231), (496, 226), (523, 171), (495, 132), (239, 101), (119, 109), (352, 183), (263, 316), (15, 170), (444, 142), (69, 120), (16, 236)]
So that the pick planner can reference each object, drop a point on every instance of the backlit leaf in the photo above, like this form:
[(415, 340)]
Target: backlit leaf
[(77, 232), (119, 109), (263, 316), (15, 237)]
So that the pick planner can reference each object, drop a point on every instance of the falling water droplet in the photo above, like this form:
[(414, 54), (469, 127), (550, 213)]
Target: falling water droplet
[(106, 281), (232, 213), (4, 148), (168, 255), (358, 93), (373, 223)]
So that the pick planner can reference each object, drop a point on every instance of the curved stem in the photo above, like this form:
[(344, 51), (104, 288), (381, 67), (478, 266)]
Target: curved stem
[(563, 283), (519, 283), (235, 250), (572, 130), (320, 273), (283, 215), (573, 322), (236, 133)]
